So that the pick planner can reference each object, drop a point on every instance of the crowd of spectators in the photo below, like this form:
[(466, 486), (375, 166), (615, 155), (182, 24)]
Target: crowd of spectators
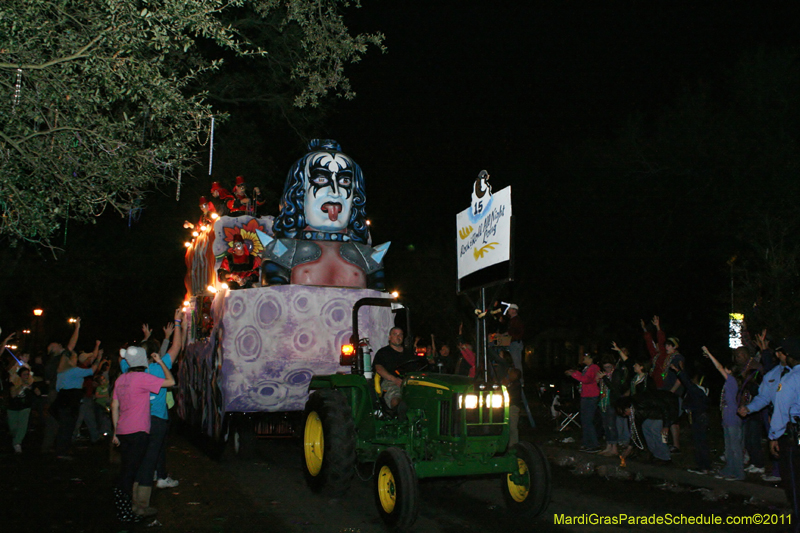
[(97, 400), (637, 404)]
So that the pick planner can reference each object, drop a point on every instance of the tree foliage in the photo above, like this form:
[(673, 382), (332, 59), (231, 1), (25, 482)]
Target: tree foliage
[(103, 99)]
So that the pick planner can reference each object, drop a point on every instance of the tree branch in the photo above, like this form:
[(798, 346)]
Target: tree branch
[(80, 54)]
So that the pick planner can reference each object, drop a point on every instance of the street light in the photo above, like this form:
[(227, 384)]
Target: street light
[(37, 312)]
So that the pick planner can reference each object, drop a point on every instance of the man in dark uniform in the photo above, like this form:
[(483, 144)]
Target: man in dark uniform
[(784, 429), (387, 360)]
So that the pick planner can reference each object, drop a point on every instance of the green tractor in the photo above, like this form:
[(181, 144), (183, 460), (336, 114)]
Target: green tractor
[(453, 426)]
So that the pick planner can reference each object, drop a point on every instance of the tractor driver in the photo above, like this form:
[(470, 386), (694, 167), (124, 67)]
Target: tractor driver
[(387, 360)]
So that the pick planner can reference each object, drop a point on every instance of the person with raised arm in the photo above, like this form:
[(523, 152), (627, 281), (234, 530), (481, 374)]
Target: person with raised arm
[(154, 462), (731, 422), (130, 416)]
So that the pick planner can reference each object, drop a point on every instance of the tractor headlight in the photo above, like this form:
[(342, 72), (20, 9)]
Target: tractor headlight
[(469, 401), (496, 400)]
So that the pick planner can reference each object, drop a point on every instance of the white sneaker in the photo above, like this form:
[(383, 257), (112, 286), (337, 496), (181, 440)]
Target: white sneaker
[(753, 469), (17, 448), (770, 478), (167, 483)]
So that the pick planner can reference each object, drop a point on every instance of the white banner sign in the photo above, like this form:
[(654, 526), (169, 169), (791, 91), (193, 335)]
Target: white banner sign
[(484, 230)]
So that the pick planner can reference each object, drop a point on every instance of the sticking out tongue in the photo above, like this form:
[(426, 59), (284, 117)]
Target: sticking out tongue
[(333, 210)]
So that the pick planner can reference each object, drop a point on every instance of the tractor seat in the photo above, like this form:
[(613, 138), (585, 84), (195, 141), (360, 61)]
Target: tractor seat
[(381, 409)]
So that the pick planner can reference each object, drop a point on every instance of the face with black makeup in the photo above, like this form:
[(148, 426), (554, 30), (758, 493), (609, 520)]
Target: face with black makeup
[(328, 191)]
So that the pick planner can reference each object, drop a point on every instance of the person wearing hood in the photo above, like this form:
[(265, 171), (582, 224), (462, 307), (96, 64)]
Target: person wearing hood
[(130, 415)]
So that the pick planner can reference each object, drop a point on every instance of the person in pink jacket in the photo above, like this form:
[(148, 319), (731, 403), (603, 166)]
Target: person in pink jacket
[(590, 397), (130, 414)]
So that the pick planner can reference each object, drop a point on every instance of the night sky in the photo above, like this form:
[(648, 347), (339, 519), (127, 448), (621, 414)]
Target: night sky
[(518, 91)]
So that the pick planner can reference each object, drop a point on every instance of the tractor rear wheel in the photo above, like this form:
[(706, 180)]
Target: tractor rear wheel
[(396, 489), (329, 442), (527, 489)]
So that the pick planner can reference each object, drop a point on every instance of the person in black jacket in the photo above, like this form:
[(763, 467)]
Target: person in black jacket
[(696, 403), (651, 414)]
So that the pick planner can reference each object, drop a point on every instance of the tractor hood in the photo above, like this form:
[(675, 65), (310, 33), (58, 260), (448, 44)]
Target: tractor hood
[(444, 382)]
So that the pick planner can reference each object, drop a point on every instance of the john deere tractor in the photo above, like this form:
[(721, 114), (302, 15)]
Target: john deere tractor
[(453, 426)]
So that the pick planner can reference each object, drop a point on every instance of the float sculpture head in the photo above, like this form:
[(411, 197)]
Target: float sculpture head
[(323, 197)]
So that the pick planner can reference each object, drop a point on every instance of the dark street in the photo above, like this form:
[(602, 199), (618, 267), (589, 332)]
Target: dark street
[(268, 493)]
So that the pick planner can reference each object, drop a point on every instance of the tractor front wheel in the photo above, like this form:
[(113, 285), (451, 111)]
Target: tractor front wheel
[(329, 442), (396, 489), (526, 490)]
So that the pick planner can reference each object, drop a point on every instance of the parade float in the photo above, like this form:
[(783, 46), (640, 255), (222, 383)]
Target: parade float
[(270, 298)]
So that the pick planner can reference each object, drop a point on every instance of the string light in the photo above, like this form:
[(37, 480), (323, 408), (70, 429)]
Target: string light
[(17, 90), (211, 147)]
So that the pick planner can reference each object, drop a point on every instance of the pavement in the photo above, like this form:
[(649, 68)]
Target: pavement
[(568, 454)]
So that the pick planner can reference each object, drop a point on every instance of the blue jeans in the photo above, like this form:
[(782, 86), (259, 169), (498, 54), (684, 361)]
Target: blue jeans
[(652, 435), (734, 452), (753, 431), (588, 408), (515, 348), (623, 431), (86, 414), (610, 425)]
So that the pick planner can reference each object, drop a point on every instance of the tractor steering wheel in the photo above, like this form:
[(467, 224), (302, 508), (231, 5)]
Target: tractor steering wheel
[(417, 364)]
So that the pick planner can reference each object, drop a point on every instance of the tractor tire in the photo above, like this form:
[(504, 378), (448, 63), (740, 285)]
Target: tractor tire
[(396, 489), (530, 496), (329, 442)]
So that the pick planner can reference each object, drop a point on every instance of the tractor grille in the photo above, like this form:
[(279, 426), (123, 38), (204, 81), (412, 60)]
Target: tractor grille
[(480, 421), (447, 422)]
